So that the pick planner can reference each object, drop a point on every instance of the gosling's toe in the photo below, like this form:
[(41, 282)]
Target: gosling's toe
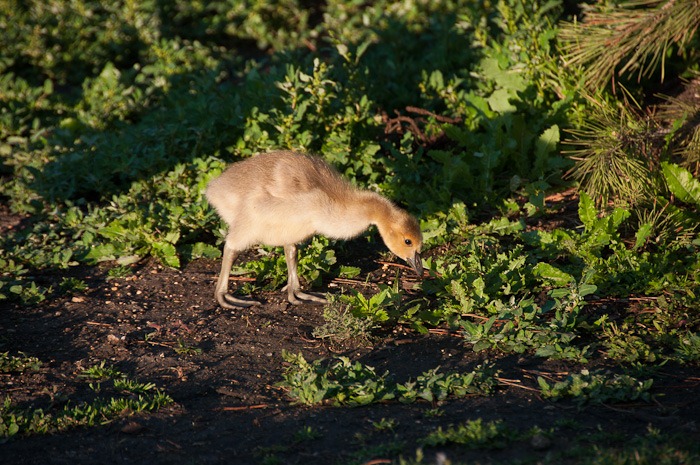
[(310, 297), (296, 296), (232, 303)]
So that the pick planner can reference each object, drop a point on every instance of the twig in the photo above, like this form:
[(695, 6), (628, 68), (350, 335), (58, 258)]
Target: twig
[(478, 317), (515, 383), (622, 299), (352, 282), (397, 265), (244, 408), (241, 278), (441, 118)]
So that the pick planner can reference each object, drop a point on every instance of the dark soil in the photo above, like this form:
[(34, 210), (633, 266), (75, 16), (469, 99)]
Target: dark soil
[(227, 407)]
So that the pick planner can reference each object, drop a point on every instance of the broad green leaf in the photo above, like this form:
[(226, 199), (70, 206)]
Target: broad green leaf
[(543, 384), (349, 271), (587, 289), (100, 253), (114, 230), (586, 210), (616, 218), (559, 293), (681, 183), (548, 140), (508, 79), (128, 259), (202, 249), (167, 252), (481, 345), (552, 274), (499, 101), (642, 235)]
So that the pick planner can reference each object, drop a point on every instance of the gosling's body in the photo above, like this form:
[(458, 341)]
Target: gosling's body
[(283, 198)]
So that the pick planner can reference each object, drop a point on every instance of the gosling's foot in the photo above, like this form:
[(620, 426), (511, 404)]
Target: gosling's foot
[(296, 296), (232, 303)]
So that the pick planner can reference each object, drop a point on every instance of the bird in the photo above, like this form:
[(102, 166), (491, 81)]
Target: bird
[(282, 198)]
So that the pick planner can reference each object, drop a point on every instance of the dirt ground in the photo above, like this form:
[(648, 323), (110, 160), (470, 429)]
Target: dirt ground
[(228, 408)]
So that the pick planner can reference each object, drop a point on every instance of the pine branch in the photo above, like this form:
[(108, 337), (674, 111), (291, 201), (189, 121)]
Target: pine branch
[(614, 158), (634, 37)]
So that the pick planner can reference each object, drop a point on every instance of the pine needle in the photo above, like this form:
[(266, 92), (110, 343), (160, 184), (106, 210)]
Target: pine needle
[(634, 37)]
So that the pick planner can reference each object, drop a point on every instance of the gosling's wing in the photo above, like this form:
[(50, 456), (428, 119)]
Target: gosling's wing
[(302, 176)]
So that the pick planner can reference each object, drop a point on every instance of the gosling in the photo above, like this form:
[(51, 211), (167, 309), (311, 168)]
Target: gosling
[(282, 198)]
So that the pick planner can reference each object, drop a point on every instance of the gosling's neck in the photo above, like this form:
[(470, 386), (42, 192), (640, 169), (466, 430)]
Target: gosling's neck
[(355, 213), (377, 210)]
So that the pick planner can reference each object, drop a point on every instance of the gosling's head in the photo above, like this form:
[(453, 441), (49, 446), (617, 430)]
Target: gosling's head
[(403, 237)]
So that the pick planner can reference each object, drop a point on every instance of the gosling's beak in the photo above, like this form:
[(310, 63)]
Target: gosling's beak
[(416, 263)]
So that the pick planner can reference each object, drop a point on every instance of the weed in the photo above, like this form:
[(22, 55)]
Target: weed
[(342, 325), (475, 434), (100, 372), (121, 271), (385, 424), (688, 348), (129, 397), (625, 345), (307, 433), (72, 285), (434, 413), (183, 348), (344, 382), (17, 364), (434, 386), (367, 453), (600, 387), (380, 307)]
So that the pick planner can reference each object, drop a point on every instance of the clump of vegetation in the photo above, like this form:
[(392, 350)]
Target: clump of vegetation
[(473, 434), (115, 395), (13, 363), (343, 382)]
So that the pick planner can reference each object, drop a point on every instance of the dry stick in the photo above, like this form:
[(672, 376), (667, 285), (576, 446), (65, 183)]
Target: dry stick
[(446, 332), (623, 299), (515, 383), (241, 278), (95, 323), (244, 407), (440, 118), (546, 374), (397, 265), (479, 317), (352, 282), (153, 343)]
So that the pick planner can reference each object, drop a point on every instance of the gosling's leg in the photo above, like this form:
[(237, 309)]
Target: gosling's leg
[(293, 288), (225, 299)]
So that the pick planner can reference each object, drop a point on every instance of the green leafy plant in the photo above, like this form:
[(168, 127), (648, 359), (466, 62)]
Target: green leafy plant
[(587, 387), (688, 349), (128, 397), (475, 434), (100, 371), (342, 325), (343, 382), (184, 348), (681, 183), (72, 285), (13, 363)]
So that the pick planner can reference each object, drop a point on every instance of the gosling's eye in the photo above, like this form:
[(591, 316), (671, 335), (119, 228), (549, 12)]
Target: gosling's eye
[(407, 242)]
